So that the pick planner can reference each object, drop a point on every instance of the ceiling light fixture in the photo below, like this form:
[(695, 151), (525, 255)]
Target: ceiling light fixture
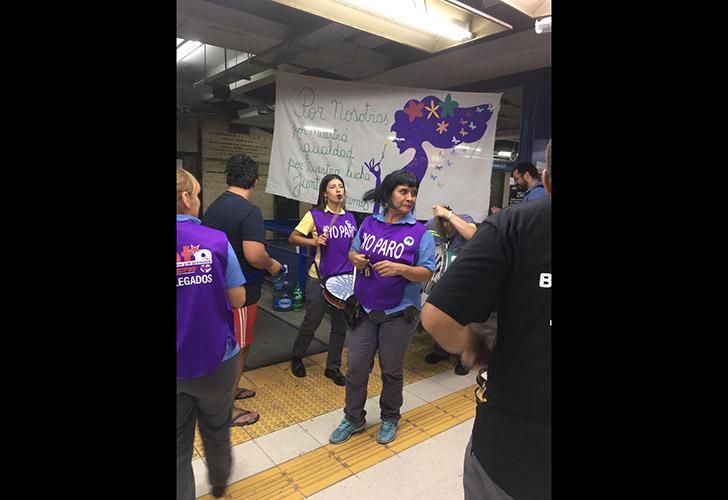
[(533, 8), (413, 14), (543, 25), (429, 25), (473, 10), (187, 48)]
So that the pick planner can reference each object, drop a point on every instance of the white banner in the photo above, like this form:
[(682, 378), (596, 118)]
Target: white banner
[(363, 132)]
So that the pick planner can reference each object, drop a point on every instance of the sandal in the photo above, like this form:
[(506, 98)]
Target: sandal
[(236, 423), (244, 393)]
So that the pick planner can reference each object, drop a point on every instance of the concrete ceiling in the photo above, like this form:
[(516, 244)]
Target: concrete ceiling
[(248, 41)]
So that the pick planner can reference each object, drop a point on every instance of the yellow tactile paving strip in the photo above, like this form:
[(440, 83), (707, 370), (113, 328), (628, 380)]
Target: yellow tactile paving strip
[(314, 471), (359, 452), (320, 468), (271, 483), (283, 399)]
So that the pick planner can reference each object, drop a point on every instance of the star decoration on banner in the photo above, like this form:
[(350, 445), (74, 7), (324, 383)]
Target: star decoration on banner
[(454, 141), (479, 109), (463, 121), (463, 132), (448, 106), (442, 127), (414, 110), (472, 126), (432, 109)]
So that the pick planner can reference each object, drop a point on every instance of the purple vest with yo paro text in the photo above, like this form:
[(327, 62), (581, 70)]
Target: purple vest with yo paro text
[(204, 317), (334, 255), (395, 243)]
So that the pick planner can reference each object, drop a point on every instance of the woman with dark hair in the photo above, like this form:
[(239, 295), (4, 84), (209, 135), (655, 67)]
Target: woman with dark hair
[(331, 229), (393, 253)]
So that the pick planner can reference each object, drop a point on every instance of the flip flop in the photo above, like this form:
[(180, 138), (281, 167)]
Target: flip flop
[(234, 423), (242, 391)]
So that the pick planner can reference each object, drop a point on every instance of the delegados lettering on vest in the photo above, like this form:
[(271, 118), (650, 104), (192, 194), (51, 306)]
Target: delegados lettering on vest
[(383, 246), (194, 280)]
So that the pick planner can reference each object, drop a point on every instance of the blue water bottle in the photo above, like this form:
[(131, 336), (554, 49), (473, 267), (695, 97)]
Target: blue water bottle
[(282, 295)]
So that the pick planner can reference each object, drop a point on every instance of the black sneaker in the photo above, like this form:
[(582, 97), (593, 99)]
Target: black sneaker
[(435, 357), (297, 367), (218, 491), (460, 369), (335, 375)]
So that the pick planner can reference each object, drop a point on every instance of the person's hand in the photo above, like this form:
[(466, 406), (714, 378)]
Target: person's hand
[(386, 268), (360, 261), (440, 211), (321, 240), (275, 267), (477, 353), (494, 210)]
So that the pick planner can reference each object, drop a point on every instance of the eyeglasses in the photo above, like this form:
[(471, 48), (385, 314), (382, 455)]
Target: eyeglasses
[(516, 177)]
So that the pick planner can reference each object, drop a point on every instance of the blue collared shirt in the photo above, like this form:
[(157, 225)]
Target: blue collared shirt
[(535, 193), (425, 258)]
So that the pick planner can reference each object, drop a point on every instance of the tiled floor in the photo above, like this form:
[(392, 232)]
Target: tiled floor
[(298, 461), (287, 453)]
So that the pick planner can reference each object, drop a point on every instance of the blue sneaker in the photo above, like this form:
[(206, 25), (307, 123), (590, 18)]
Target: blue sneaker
[(344, 431), (387, 431)]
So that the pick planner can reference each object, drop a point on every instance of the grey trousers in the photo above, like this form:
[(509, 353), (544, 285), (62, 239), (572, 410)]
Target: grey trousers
[(208, 401), (316, 307), (391, 339), (477, 483)]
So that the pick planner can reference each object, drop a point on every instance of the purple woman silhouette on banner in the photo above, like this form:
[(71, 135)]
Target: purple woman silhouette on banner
[(442, 123)]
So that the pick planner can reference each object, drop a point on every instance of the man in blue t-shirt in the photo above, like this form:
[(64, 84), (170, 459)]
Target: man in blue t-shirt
[(527, 177)]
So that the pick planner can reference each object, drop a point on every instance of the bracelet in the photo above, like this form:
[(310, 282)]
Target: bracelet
[(449, 215)]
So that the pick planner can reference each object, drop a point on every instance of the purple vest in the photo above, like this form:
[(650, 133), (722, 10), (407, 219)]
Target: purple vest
[(392, 242), (204, 317), (335, 254)]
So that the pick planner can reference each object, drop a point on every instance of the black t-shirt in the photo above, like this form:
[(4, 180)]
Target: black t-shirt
[(509, 261), (241, 221)]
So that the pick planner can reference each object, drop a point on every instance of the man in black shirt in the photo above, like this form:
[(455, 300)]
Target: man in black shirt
[(508, 261), (233, 213)]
